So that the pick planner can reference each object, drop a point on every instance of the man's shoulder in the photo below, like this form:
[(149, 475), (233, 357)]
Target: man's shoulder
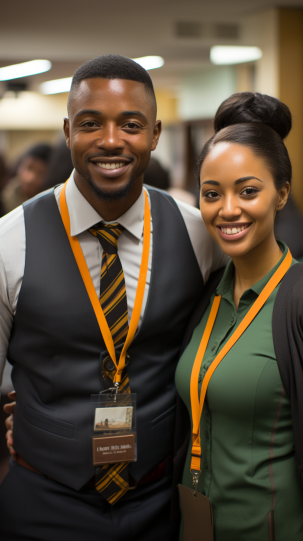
[(188, 212), (11, 221), (39, 196)]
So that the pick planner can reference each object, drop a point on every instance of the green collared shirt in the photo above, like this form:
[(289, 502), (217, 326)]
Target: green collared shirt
[(246, 420)]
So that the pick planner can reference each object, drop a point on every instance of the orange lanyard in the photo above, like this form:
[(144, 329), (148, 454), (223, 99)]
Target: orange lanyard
[(86, 277), (196, 403)]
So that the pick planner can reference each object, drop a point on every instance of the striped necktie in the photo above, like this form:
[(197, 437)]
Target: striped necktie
[(112, 479)]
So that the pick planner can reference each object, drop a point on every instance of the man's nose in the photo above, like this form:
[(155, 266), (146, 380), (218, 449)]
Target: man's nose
[(110, 138)]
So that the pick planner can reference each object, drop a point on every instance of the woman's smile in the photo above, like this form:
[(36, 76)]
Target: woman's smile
[(233, 231)]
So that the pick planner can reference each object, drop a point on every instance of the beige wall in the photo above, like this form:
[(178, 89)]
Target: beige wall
[(290, 29), (15, 142)]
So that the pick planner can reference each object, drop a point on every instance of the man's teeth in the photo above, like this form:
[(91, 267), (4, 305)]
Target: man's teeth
[(110, 165), (233, 230)]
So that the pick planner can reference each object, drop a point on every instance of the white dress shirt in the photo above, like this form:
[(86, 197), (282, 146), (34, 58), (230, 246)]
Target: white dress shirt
[(82, 217)]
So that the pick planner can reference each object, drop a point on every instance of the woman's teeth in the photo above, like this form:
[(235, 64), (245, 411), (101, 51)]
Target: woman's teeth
[(110, 165), (233, 230)]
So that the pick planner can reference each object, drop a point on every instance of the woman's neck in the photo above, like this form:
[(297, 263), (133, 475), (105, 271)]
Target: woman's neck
[(252, 267)]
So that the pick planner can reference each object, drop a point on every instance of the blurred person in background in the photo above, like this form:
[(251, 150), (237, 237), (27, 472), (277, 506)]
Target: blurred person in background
[(60, 166), (29, 179), (158, 177), (4, 178), (289, 228)]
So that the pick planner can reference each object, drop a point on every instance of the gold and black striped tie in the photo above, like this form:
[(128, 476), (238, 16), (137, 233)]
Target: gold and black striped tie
[(112, 479)]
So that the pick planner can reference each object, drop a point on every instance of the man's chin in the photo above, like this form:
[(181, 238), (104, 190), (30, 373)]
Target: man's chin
[(114, 194)]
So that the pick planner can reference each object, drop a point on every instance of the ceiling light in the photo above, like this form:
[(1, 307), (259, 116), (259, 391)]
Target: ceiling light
[(63, 85), (234, 55), (24, 70), (150, 62), (56, 86)]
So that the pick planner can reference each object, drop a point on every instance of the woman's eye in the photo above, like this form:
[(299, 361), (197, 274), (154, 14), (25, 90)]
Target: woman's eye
[(211, 195), (249, 191)]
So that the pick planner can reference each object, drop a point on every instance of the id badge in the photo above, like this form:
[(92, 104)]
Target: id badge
[(114, 429), (197, 515)]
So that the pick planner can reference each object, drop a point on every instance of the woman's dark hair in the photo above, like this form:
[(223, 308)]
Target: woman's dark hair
[(259, 122)]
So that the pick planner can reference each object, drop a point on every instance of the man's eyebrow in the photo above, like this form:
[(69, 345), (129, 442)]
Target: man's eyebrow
[(88, 112), (238, 181), (124, 113), (134, 113)]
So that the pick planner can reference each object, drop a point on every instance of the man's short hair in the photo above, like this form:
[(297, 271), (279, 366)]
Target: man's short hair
[(112, 66)]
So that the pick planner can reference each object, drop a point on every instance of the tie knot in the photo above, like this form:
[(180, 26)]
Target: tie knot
[(108, 235)]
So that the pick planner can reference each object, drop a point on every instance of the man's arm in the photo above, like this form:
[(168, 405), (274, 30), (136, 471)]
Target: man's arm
[(208, 253), (10, 408)]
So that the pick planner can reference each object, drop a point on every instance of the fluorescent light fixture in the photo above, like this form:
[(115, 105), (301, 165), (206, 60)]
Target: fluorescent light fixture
[(56, 86), (150, 62), (234, 54), (63, 85), (24, 70)]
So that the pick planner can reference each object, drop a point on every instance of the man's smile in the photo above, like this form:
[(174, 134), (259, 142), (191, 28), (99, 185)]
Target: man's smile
[(111, 167)]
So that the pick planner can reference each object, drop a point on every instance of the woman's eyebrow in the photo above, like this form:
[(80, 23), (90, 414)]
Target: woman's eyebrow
[(243, 179), (212, 182), (238, 181)]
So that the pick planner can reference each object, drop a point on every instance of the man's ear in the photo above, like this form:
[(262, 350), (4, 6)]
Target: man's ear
[(66, 131), (157, 133)]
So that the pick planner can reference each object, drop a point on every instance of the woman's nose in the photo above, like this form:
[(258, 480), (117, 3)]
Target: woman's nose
[(230, 207)]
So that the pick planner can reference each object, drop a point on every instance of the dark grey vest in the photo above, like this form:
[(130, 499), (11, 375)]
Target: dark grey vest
[(57, 350)]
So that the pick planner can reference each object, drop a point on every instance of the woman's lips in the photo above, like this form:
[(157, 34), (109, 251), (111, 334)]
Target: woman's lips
[(119, 169), (232, 232)]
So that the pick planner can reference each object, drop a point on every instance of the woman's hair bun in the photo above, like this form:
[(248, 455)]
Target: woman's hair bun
[(245, 107)]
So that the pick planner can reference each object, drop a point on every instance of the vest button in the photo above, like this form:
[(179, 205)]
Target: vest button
[(213, 347)]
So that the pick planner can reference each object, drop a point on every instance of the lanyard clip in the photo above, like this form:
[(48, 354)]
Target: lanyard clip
[(116, 388), (196, 475)]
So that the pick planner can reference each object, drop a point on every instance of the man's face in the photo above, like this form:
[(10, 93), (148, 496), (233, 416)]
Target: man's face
[(111, 131)]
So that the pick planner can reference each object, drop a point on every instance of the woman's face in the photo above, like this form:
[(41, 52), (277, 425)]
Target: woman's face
[(238, 199)]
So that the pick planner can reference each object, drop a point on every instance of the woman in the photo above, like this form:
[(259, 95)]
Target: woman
[(248, 469)]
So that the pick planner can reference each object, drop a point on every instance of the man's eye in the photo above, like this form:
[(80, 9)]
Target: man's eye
[(132, 126), (89, 124)]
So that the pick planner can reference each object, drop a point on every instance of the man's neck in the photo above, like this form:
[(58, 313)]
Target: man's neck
[(109, 210)]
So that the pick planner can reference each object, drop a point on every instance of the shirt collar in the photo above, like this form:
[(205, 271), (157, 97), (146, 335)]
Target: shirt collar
[(83, 215), (226, 286)]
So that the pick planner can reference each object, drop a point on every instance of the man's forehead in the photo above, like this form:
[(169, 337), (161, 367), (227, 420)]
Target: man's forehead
[(109, 91)]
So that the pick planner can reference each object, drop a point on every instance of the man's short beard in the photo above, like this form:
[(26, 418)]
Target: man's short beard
[(113, 195), (106, 195)]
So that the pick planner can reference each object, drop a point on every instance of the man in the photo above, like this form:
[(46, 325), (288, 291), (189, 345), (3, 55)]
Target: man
[(50, 333)]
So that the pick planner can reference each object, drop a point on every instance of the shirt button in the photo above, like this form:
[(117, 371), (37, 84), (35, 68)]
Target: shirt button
[(206, 466)]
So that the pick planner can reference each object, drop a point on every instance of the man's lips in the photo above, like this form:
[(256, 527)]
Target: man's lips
[(110, 168), (233, 231)]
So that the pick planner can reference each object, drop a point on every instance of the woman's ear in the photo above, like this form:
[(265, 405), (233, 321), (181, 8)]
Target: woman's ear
[(283, 196)]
